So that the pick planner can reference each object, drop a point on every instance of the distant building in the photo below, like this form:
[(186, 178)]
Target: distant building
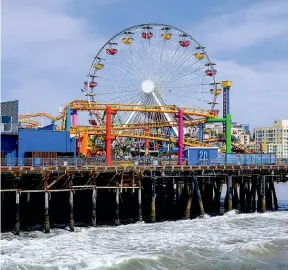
[(9, 116), (273, 139)]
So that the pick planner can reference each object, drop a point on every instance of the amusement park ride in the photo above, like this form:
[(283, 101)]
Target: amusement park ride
[(130, 82)]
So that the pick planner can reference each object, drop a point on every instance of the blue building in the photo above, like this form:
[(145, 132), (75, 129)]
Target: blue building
[(45, 142)]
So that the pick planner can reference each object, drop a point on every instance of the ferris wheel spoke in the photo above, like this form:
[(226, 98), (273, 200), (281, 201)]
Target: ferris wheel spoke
[(137, 68), (130, 66)]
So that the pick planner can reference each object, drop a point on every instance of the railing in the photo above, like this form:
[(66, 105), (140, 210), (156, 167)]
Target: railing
[(60, 162), (141, 161)]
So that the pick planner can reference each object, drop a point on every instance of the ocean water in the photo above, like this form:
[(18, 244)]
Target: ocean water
[(232, 241)]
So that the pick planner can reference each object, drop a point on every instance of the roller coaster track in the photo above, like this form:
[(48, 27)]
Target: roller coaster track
[(28, 124), (153, 137), (83, 129), (82, 105)]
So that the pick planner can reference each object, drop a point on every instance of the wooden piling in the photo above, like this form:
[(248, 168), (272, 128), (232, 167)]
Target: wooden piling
[(94, 200), (117, 216), (263, 197), (71, 205), (253, 196), (248, 196), (274, 196), (195, 179), (28, 197), (242, 195), (174, 192), (139, 200), (217, 197), (153, 201), (190, 191), (17, 219), (235, 200), (229, 192), (47, 219)]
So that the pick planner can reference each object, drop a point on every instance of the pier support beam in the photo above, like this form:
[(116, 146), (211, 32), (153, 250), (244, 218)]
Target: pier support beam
[(94, 200), (229, 192), (153, 200), (17, 219), (117, 216), (190, 191), (47, 219), (274, 195), (71, 204), (263, 197), (139, 200), (195, 179)]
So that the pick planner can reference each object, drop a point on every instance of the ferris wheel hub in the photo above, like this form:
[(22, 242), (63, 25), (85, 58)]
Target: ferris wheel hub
[(148, 86)]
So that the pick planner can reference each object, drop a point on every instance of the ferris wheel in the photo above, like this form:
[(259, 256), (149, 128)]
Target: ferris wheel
[(151, 64)]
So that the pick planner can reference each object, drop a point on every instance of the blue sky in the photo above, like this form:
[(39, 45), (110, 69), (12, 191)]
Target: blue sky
[(48, 46)]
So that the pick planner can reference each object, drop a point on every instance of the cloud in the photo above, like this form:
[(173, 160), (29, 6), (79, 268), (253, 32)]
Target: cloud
[(258, 95), (255, 23), (259, 91), (46, 54)]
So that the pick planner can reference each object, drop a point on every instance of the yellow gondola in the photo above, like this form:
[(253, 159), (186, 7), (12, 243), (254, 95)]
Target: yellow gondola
[(216, 92), (127, 40), (200, 56), (98, 66), (166, 36)]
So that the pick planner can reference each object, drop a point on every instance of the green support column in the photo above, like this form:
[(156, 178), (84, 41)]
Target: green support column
[(228, 133)]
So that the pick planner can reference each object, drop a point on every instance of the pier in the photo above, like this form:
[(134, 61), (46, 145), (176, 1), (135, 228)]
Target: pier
[(128, 191)]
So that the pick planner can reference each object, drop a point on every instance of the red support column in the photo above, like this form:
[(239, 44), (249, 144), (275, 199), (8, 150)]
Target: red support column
[(108, 136), (146, 142)]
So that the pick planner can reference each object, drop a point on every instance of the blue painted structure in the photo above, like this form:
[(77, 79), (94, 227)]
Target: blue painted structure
[(200, 155), (45, 141), (9, 146)]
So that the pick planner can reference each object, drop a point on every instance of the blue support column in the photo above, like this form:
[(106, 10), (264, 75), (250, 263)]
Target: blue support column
[(201, 132)]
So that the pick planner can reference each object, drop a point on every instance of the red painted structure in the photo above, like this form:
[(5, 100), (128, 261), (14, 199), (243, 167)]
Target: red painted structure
[(109, 136)]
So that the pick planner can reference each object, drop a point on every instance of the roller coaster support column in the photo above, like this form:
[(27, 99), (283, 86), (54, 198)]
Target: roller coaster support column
[(228, 123), (201, 132), (74, 118), (109, 138), (180, 137), (146, 142), (68, 119)]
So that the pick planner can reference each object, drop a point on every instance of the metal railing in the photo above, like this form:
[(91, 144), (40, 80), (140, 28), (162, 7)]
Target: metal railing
[(138, 161), (99, 161)]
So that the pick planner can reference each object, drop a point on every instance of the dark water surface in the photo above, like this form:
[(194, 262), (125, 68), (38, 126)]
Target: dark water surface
[(232, 241)]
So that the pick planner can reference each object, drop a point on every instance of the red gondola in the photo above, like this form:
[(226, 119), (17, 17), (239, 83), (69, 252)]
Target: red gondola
[(210, 72), (184, 43), (111, 51), (93, 122), (147, 35), (92, 84)]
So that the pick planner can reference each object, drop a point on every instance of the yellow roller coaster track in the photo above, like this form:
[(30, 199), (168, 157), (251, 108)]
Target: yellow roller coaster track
[(152, 137), (83, 129), (82, 105)]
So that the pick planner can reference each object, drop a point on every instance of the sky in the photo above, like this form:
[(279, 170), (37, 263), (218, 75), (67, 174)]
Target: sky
[(48, 47)]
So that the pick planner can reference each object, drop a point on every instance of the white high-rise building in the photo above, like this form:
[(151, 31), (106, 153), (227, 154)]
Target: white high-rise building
[(274, 138)]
